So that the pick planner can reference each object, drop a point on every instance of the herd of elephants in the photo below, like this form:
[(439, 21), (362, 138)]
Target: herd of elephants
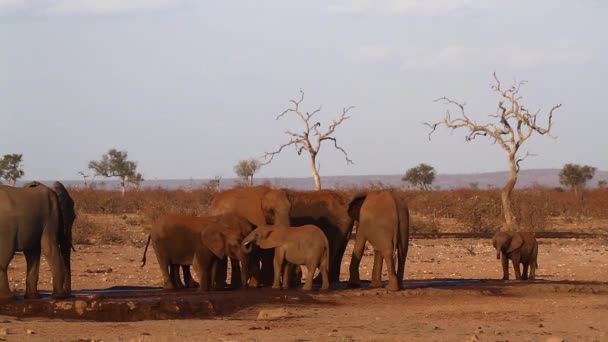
[(266, 234)]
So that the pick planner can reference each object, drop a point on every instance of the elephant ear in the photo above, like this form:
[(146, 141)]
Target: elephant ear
[(268, 239), (354, 207), (214, 239), (516, 242)]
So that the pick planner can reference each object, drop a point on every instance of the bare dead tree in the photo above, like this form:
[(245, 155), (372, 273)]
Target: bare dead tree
[(514, 125), (311, 138)]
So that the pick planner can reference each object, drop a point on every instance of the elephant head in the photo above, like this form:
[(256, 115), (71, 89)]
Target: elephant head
[(224, 237), (276, 207), (222, 243), (506, 242), (265, 236)]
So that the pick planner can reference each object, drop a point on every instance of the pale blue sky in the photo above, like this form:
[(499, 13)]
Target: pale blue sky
[(190, 87)]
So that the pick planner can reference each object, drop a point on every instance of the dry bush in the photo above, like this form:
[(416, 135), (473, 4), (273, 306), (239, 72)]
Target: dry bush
[(150, 203), (89, 230)]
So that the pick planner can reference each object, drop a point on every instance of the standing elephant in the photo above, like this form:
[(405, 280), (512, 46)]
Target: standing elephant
[(36, 219), (383, 220), (305, 245), (325, 209), (218, 240), (520, 247), (176, 239)]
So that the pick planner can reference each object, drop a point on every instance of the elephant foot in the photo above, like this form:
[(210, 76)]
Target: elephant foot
[(375, 283), (354, 283), (7, 295), (168, 286), (60, 295), (253, 282), (33, 295), (307, 287), (325, 287), (193, 284), (393, 286), (276, 287)]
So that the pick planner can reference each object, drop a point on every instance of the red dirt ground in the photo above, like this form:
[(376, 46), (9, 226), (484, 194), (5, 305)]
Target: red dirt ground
[(572, 305)]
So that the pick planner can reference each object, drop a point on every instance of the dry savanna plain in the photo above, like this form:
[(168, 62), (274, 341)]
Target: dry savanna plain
[(452, 291)]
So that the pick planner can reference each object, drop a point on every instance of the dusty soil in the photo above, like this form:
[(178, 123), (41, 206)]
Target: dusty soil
[(570, 301)]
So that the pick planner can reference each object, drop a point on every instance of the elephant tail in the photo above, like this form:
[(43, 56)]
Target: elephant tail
[(143, 259)]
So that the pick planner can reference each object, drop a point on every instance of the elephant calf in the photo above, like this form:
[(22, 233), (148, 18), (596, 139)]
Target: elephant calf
[(520, 247), (305, 245)]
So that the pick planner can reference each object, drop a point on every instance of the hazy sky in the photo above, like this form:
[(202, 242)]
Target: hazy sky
[(190, 87)]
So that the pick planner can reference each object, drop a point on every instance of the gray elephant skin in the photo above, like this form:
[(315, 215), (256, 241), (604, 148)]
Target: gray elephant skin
[(520, 248), (37, 220)]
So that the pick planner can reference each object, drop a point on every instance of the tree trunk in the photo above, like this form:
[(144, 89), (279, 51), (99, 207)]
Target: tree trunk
[(250, 180), (123, 186), (505, 195), (315, 172)]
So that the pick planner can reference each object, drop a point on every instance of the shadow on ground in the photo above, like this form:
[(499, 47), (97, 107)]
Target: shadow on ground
[(119, 304)]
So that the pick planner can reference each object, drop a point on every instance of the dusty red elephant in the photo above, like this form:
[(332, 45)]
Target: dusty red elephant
[(326, 209)]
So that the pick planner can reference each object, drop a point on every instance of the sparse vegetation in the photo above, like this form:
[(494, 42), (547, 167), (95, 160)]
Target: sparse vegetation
[(576, 176), (11, 168), (421, 176), (245, 169), (116, 164)]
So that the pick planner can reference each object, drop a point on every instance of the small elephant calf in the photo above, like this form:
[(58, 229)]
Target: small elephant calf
[(305, 245), (520, 247)]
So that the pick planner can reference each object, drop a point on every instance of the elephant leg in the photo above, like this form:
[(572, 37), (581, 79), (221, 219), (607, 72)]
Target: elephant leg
[(175, 278), (267, 269), (163, 263), (287, 270), (524, 274), (336, 249), (32, 259), (354, 279), (393, 284), (377, 270), (221, 273), (188, 280), (532, 270), (324, 275), (401, 256), (254, 269), (310, 268), (244, 271), (235, 278), (515, 260), (213, 275), (295, 278), (53, 256), (505, 266), (6, 255), (279, 255)]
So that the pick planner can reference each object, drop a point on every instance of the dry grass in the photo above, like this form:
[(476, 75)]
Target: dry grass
[(105, 217)]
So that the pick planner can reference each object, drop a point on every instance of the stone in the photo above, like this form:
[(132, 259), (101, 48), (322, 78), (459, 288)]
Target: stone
[(555, 339), (4, 331), (272, 314), (30, 332)]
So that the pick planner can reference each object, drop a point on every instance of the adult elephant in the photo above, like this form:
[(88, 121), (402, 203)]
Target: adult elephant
[(383, 220), (520, 248), (325, 209), (36, 219), (177, 238)]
